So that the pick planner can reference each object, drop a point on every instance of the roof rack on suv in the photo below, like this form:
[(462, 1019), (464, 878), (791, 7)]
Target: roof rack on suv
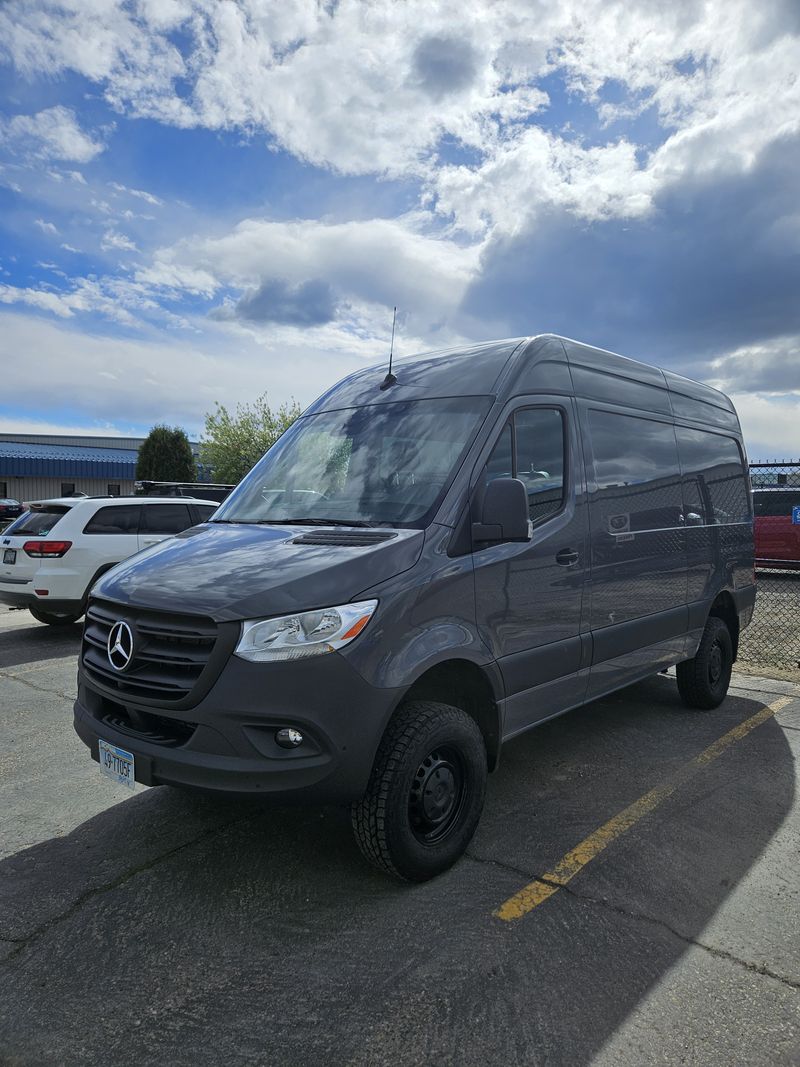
[(199, 490)]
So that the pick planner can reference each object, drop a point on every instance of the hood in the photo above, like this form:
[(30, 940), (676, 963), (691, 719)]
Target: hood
[(246, 572)]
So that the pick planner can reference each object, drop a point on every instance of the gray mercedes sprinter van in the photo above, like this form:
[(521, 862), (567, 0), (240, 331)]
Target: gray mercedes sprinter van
[(424, 566)]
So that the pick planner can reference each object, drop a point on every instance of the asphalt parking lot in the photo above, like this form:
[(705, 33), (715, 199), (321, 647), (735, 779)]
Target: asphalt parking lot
[(631, 897)]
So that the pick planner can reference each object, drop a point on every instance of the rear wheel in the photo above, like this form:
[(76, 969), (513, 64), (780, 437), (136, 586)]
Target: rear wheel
[(54, 618), (703, 681), (425, 793)]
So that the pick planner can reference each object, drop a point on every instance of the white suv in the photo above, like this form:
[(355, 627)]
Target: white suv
[(51, 556)]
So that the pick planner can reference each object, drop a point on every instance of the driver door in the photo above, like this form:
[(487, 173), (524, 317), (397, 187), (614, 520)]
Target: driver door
[(529, 597)]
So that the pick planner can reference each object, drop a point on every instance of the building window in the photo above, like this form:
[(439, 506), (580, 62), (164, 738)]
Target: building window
[(4, 490), (67, 488), (113, 489)]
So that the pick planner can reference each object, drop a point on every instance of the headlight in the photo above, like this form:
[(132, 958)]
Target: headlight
[(307, 634)]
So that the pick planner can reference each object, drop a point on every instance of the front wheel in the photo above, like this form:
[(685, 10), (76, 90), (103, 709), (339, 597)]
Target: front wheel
[(703, 681), (425, 793), (54, 618)]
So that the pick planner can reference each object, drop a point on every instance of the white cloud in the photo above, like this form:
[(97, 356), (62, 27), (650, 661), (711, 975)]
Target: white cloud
[(140, 194), (378, 262), (13, 424), (119, 241), (46, 227), (113, 299), (769, 425), (38, 298), (143, 381), (375, 88), (51, 134)]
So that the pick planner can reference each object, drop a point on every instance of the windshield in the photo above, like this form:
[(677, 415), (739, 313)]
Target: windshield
[(379, 464)]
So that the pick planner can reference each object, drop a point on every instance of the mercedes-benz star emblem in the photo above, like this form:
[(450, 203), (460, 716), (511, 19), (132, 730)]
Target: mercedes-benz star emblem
[(120, 646)]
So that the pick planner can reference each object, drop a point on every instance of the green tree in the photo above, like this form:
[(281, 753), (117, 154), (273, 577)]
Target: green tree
[(233, 443), (166, 456)]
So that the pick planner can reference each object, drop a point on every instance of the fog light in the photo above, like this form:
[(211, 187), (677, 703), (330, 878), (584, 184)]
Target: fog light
[(289, 737)]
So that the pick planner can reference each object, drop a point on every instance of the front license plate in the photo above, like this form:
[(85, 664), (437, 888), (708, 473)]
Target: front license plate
[(117, 764), (10, 555)]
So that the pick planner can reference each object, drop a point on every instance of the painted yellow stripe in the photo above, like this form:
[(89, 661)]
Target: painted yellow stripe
[(577, 858)]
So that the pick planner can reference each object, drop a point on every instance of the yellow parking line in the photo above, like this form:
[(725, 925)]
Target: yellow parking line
[(536, 892)]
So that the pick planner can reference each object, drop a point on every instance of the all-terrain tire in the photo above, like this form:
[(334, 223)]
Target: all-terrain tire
[(703, 681), (425, 794)]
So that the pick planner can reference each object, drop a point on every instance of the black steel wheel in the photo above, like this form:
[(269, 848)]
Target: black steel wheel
[(437, 795), (425, 793), (703, 681)]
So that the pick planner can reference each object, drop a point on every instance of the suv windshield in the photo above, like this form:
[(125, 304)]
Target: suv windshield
[(382, 463)]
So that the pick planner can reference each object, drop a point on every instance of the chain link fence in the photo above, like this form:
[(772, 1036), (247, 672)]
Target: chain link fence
[(771, 644)]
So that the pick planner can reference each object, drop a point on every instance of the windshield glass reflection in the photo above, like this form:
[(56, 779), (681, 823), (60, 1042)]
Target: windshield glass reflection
[(382, 464)]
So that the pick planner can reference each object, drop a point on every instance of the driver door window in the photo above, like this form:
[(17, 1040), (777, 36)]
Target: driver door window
[(531, 448)]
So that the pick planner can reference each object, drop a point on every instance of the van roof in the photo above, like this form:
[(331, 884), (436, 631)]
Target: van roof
[(468, 371), (505, 367)]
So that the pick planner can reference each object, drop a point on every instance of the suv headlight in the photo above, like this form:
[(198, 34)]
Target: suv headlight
[(309, 633)]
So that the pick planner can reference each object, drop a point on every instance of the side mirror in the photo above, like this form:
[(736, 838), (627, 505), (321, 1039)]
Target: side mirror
[(504, 516)]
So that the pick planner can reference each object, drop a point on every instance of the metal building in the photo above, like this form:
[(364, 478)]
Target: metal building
[(38, 466)]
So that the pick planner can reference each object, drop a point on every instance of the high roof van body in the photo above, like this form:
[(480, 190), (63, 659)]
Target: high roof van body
[(420, 570)]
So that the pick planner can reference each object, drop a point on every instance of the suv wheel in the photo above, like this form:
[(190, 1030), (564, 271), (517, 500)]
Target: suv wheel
[(54, 618), (703, 681), (425, 793)]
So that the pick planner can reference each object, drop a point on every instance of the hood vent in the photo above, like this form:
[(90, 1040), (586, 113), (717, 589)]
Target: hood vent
[(344, 538)]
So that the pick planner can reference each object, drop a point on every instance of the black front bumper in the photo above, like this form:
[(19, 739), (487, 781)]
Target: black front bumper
[(226, 742)]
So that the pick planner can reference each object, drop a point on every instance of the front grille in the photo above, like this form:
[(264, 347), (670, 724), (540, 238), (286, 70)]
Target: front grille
[(170, 652)]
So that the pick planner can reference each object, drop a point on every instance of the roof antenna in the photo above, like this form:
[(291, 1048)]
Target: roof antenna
[(390, 378)]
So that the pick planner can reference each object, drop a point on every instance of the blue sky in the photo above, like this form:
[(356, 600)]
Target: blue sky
[(203, 200)]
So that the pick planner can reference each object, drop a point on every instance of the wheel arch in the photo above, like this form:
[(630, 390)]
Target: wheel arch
[(724, 607), (468, 686)]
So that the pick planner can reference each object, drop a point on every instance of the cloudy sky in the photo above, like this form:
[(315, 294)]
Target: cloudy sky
[(204, 199)]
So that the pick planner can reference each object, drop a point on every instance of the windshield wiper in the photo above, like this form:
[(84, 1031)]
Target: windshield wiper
[(313, 522), (232, 522)]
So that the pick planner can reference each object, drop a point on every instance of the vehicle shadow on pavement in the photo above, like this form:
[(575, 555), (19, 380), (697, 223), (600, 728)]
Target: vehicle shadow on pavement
[(186, 929), (30, 644)]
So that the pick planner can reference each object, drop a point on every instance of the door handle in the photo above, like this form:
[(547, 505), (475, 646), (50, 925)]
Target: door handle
[(566, 557)]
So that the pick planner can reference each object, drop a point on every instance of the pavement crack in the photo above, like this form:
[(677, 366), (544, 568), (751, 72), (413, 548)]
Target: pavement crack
[(500, 863), (97, 891), (38, 688), (719, 953)]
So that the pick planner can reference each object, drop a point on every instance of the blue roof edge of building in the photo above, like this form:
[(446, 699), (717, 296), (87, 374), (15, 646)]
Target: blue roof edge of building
[(30, 461)]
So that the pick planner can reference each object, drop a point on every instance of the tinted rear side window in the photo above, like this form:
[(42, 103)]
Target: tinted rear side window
[(37, 523), (166, 518), (637, 474), (121, 520), (205, 510), (776, 504), (716, 483)]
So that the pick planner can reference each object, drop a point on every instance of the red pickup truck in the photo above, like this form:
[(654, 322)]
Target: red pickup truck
[(777, 538)]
